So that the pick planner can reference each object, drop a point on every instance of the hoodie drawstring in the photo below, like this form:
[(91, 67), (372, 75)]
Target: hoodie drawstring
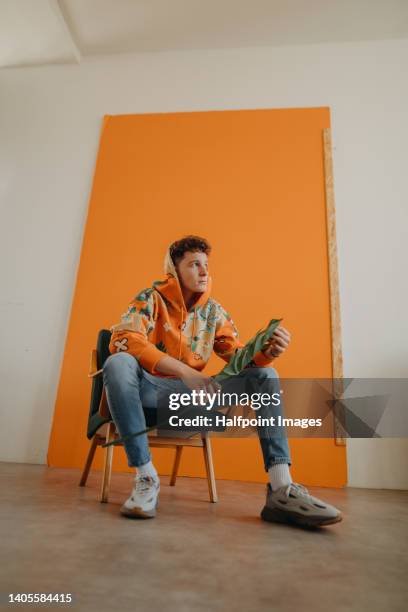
[(180, 326), (193, 328)]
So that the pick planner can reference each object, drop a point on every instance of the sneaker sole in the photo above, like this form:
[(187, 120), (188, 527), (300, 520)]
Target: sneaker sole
[(138, 513), (279, 516)]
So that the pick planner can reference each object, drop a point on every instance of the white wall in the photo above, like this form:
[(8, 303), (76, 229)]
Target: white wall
[(49, 129)]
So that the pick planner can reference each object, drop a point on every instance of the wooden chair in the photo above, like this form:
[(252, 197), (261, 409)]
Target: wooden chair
[(101, 429)]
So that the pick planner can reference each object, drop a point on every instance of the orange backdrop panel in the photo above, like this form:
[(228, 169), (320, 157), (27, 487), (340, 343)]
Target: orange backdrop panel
[(252, 183)]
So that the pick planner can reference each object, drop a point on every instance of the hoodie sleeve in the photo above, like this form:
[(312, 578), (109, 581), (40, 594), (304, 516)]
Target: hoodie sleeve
[(227, 341), (131, 334)]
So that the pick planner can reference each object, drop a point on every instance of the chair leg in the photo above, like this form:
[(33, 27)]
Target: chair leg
[(176, 464), (88, 463), (107, 466), (209, 468)]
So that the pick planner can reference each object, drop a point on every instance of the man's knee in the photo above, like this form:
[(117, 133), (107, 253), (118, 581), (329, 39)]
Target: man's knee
[(261, 379), (261, 372), (119, 361)]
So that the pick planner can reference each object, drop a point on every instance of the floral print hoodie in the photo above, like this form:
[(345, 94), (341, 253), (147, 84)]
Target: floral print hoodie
[(157, 323)]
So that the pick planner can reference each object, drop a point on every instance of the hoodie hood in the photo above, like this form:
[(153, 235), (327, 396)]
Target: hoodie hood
[(170, 288)]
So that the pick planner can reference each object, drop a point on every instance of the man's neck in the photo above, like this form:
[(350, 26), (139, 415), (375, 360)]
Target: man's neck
[(189, 298)]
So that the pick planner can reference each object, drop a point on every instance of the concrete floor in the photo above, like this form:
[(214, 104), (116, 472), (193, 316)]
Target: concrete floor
[(57, 537)]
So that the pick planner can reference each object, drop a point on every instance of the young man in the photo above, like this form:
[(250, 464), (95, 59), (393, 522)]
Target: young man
[(162, 343)]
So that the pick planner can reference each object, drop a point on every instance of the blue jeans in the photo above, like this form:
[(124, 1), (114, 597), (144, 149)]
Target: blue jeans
[(129, 388)]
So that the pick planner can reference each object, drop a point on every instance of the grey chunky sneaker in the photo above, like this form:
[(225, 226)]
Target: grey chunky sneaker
[(143, 500), (294, 504)]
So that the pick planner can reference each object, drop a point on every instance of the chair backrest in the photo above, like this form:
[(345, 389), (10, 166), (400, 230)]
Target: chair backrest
[(102, 347), (95, 420)]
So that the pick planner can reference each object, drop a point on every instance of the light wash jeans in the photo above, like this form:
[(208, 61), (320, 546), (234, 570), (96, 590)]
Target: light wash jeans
[(129, 388)]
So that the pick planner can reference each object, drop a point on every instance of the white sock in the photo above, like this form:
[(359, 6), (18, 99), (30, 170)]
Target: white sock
[(147, 469), (279, 475)]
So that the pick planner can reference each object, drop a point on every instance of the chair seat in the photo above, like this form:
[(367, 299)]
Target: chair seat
[(157, 440)]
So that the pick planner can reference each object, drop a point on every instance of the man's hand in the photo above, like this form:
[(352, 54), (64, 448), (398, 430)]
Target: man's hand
[(191, 377), (279, 343), (198, 381)]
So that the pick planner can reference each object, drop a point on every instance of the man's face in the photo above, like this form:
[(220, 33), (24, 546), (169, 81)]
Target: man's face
[(192, 271)]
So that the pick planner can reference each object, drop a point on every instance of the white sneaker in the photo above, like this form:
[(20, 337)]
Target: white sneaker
[(143, 500)]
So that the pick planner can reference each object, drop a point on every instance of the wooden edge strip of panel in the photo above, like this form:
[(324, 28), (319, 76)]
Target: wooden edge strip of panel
[(337, 354)]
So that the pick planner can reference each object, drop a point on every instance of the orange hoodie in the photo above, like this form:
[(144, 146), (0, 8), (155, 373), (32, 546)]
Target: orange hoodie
[(157, 323)]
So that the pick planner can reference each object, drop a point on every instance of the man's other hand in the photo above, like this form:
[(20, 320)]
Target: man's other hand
[(279, 342)]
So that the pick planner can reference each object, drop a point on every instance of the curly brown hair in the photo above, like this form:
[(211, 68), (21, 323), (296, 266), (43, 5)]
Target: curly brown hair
[(188, 243)]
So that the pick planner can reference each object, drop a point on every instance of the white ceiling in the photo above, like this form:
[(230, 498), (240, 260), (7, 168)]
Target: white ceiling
[(34, 32)]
